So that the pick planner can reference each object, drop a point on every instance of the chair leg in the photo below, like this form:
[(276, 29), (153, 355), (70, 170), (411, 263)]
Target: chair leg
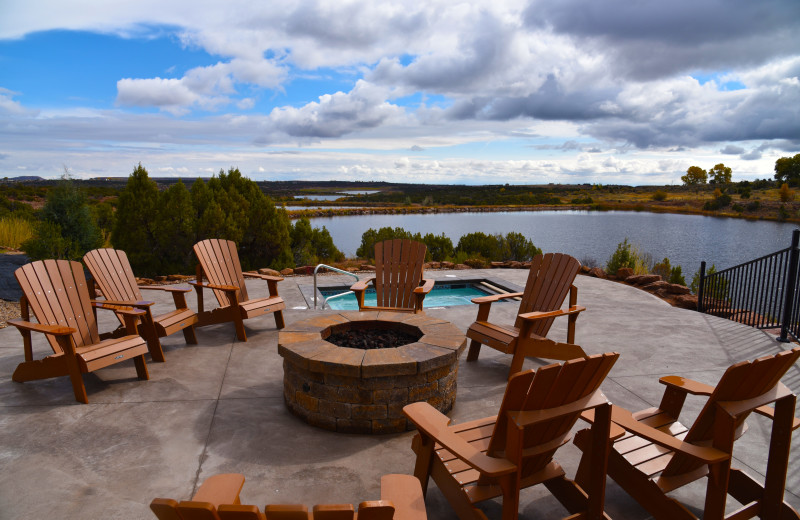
[(147, 330), (73, 369), (141, 367), (517, 361), (76, 379), (189, 335), (474, 350), (238, 322), (279, 323)]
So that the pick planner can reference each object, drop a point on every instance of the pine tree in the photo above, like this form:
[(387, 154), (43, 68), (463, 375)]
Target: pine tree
[(134, 229)]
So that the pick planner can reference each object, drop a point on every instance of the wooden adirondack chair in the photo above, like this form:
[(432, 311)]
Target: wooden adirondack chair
[(112, 272), (658, 454), (219, 263), (549, 281), (218, 499), (498, 456), (398, 281), (57, 292)]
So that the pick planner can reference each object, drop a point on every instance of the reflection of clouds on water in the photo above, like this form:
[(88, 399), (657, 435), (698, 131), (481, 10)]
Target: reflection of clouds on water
[(685, 239)]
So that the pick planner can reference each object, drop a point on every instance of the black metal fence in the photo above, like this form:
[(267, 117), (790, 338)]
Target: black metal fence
[(762, 293)]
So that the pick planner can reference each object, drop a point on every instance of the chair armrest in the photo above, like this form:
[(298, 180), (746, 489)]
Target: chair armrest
[(263, 276), (361, 285), (686, 385), (168, 288), (212, 286), (496, 297), (769, 411), (624, 418), (537, 315), (433, 423), (53, 330), (124, 312), (425, 288), (141, 304)]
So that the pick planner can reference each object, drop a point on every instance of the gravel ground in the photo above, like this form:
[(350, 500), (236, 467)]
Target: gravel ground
[(8, 310)]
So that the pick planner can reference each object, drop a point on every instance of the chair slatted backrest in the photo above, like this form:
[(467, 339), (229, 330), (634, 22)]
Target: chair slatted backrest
[(398, 271), (112, 271), (549, 281), (220, 262), (740, 382), (56, 291), (548, 387)]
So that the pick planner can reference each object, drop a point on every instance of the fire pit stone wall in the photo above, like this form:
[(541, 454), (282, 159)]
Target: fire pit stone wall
[(364, 391)]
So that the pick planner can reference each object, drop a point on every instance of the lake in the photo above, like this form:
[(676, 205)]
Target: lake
[(685, 239)]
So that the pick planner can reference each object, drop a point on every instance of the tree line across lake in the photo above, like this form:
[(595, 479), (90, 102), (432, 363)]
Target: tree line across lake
[(157, 228)]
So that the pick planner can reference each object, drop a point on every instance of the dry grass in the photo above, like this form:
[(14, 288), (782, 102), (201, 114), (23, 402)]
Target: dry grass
[(14, 231)]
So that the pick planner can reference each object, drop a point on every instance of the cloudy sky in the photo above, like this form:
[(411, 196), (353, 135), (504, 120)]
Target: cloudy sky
[(495, 91)]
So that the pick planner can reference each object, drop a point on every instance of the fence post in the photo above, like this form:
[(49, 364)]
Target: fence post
[(788, 288), (700, 289)]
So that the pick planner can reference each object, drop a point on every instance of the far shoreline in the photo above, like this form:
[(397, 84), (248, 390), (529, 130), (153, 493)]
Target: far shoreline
[(333, 211)]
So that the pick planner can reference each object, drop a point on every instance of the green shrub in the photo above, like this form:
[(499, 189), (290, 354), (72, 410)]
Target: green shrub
[(515, 246), (663, 269), (659, 195), (370, 237), (738, 208), (676, 276), (627, 255), (313, 246), (753, 206), (440, 247), (67, 229), (480, 244)]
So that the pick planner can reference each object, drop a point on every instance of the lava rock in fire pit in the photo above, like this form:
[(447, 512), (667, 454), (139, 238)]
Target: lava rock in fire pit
[(370, 339)]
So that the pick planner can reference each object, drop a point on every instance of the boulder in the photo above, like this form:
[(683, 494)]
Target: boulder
[(367, 267), (448, 265), (597, 272), (686, 301), (433, 265), (623, 273), (461, 267), (674, 288), (269, 272), (585, 269), (643, 279), (496, 265), (515, 265), (145, 281), (305, 269), (287, 271), (659, 285), (178, 277)]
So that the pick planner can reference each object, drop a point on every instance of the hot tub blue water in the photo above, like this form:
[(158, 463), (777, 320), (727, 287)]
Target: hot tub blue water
[(442, 295)]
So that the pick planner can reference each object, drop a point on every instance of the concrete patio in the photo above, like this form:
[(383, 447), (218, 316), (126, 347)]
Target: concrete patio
[(218, 407)]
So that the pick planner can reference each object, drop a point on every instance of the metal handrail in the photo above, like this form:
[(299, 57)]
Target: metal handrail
[(331, 269), (762, 293)]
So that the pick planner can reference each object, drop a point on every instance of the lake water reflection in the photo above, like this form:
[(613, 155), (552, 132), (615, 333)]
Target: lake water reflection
[(685, 239)]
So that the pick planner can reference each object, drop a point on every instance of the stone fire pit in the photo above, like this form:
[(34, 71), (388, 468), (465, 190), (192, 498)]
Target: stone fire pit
[(363, 391)]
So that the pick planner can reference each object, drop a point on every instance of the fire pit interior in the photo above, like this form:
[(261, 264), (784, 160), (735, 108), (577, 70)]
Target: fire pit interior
[(371, 334), (385, 361)]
